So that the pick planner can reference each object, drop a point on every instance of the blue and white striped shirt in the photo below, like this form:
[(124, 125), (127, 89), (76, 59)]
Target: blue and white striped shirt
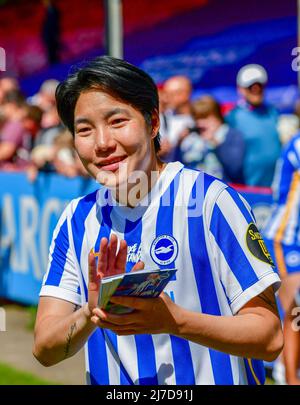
[(284, 223), (190, 221)]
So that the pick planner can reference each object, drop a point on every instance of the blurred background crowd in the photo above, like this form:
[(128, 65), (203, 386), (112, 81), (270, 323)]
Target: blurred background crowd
[(237, 143)]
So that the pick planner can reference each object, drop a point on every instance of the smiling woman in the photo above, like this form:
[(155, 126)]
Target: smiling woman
[(181, 219)]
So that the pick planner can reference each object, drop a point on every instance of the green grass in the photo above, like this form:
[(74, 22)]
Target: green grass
[(11, 376), (32, 311)]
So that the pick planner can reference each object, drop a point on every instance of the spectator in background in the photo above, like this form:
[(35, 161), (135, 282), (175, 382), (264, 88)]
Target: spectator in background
[(164, 112), (7, 84), (51, 31), (15, 140), (282, 231), (177, 91), (59, 156), (212, 145), (258, 123), (45, 99), (32, 121)]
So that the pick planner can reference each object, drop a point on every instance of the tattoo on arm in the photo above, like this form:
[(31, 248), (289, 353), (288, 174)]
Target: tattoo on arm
[(69, 336)]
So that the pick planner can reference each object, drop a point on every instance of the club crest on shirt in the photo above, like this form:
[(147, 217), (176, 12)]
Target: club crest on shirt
[(256, 245), (164, 249)]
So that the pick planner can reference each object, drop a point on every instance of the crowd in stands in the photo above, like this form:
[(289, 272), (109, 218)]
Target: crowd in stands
[(241, 146), (31, 135)]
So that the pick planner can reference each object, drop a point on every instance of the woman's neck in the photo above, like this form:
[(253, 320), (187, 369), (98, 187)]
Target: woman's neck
[(138, 187)]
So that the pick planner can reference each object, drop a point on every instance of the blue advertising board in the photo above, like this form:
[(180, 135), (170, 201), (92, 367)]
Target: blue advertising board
[(28, 215)]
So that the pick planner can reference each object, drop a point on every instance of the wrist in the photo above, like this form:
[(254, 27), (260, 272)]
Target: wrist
[(180, 320)]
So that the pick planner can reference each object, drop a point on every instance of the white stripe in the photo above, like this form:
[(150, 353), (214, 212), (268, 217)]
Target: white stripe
[(87, 363), (274, 222), (128, 355), (52, 246), (248, 206), (293, 159), (202, 364), (88, 241), (232, 286), (238, 370), (185, 275), (289, 237), (126, 344), (164, 359), (161, 342), (297, 149), (220, 268), (113, 363), (69, 278), (227, 277), (239, 227), (277, 179), (243, 379)]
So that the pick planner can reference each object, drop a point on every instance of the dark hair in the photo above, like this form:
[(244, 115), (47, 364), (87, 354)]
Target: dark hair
[(34, 113), (14, 97), (206, 106), (114, 76)]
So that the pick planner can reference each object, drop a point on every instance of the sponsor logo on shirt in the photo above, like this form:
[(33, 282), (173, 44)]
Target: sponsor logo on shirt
[(256, 245), (134, 253), (164, 249)]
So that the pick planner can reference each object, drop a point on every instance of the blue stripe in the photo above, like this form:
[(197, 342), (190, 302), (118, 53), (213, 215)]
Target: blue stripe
[(231, 249), (112, 344), (106, 224), (78, 227), (259, 370), (132, 235), (164, 219), (144, 343), (221, 365), (59, 256), (96, 343), (98, 358), (183, 364), (146, 360)]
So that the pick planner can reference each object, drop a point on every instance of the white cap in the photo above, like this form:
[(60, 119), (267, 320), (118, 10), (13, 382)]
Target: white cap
[(250, 74)]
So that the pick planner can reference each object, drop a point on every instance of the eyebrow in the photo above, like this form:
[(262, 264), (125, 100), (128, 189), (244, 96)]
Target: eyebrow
[(114, 111), (81, 121), (107, 115)]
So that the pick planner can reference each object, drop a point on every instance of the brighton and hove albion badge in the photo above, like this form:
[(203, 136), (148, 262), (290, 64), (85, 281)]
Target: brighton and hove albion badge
[(164, 249), (256, 245)]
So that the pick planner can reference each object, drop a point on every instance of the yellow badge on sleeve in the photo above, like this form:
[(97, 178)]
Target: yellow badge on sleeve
[(256, 245)]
